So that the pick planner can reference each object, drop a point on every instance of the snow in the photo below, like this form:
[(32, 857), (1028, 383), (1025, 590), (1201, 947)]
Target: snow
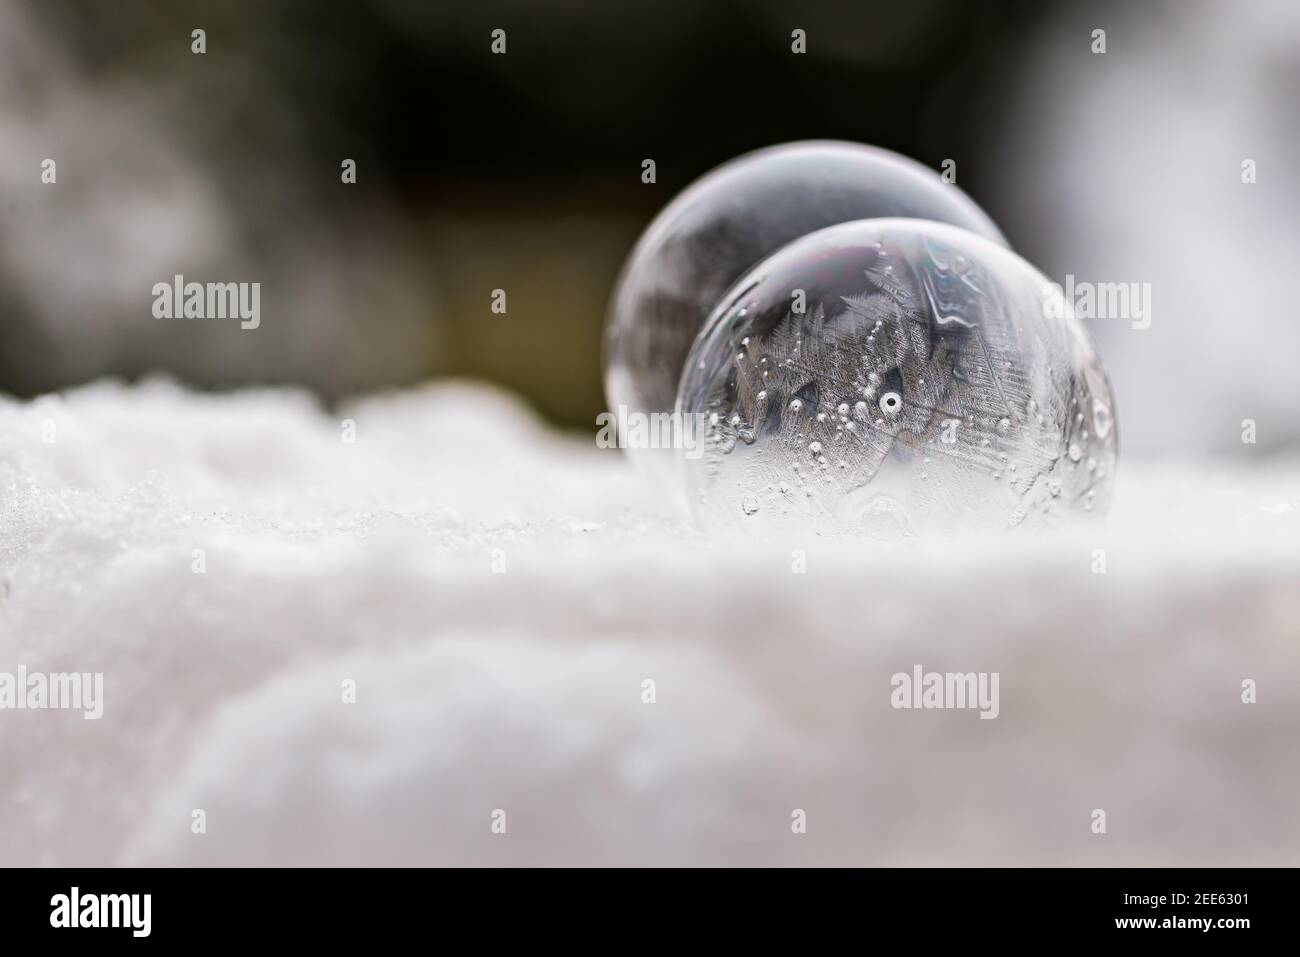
[(499, 593)]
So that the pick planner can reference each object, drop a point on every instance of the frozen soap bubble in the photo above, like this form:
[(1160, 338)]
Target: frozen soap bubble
[(889, 376), (724, 224)]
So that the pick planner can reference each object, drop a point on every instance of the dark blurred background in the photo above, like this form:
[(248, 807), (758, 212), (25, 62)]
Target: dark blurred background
[(523, 171)]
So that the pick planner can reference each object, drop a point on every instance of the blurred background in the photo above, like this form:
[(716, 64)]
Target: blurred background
[(523, 172)]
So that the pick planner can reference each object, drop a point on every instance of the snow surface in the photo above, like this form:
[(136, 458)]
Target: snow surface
[(521, 690)]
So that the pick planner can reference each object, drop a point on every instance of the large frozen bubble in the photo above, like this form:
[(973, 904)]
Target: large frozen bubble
[(888, 376)]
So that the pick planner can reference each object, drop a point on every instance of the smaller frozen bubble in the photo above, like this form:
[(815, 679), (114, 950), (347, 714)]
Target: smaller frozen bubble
[(725, 223)]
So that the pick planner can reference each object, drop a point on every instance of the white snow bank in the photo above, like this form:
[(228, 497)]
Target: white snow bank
[(373, 562)]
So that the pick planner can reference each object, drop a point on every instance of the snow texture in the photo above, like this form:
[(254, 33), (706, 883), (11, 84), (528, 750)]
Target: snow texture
[(521, 690)]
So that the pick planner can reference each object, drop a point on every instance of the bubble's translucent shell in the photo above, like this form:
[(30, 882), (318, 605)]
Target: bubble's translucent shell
[(731, 219), (888, 376)]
